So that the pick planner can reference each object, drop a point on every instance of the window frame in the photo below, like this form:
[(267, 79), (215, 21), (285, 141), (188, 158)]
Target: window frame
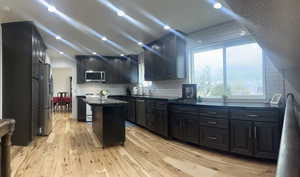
[(224, 46)]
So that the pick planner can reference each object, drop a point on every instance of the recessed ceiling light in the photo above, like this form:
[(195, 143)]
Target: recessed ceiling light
[(166, 27), (140, 43), (61, 53), (122, 55), (243, 33), (218, 5), (58, 37), (121, 13), (104, 39), (94, 53), (51, 9)]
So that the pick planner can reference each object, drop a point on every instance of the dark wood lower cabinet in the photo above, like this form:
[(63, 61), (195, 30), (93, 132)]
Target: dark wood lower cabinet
[(81, 109), (185, 127), (241, 135), (140, 112), (214, 138), (266, 136), (253, 138)]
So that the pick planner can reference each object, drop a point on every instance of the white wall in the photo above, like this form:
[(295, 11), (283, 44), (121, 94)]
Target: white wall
[(61, 79)]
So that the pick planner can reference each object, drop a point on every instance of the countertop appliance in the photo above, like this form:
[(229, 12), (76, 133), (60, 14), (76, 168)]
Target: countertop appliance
[(95, 76), (45, 113)]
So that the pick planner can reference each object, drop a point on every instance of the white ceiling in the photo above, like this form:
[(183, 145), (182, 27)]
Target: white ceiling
[(90, 16)]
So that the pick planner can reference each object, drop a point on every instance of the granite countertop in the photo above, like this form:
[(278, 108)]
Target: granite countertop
[(229, 105), (170, 98), (105, 102)]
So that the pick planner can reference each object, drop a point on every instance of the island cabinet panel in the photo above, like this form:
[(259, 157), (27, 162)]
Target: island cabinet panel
[(109, 124), (81, 109)]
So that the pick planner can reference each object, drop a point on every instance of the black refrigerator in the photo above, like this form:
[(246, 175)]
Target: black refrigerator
[(45, 115)]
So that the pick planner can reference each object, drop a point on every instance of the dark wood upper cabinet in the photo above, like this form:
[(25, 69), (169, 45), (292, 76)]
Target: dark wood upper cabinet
[(118, 70), (165, 59)]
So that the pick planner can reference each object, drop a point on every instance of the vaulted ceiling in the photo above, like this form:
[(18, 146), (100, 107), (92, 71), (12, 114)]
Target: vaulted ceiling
[(82, 23)]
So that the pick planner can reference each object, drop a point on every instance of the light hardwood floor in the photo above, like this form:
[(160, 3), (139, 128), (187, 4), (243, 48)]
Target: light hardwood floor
[(73, 150)]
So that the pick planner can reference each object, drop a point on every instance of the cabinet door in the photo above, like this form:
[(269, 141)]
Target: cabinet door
[(266, 135), (191, 129), (81, 110), (161, 122), (148, 65), (80, 71), (131, 110), (140, 113), (241, 137), (169, 55), (150, 120), (176, 125), (216, 138)]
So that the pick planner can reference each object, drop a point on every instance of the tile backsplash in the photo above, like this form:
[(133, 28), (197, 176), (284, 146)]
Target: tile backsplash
[(114, 89)]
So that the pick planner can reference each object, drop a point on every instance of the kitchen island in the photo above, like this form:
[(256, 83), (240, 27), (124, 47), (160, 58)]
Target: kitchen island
[(109, 116)]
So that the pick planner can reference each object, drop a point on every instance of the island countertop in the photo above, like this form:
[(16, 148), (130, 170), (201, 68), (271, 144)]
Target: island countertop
[(104, 102)]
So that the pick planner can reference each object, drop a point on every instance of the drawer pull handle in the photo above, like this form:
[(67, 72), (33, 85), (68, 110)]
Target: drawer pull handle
[(210, 122), (212, 138), (252, 115), (212, 113)]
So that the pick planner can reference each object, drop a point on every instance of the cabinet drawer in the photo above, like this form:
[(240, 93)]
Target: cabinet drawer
[(185, 109), (211, 122), (216, 113), (255, 115), (161, 105), (214, 138)]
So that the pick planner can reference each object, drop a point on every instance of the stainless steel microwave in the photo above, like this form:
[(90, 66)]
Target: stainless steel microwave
[(95, 76)]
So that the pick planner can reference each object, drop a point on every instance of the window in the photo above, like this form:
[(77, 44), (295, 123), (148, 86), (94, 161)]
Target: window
[(235, 71)]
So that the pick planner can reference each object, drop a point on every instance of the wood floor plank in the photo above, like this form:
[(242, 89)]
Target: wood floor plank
[(72, 150)]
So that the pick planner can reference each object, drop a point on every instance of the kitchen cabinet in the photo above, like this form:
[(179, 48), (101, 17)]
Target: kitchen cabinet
[(109, 123), (266, 136), (81, 109), (255, 133), (165, 59), (252, 132), (241, 135), (141, 112), (23, 50), (118, 70), (157, 117), (214, 138), (185, 126)]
